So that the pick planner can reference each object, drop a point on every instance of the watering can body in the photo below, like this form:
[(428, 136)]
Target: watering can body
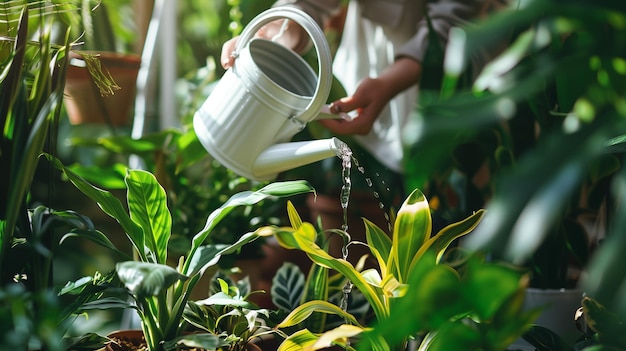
[(268, 96)]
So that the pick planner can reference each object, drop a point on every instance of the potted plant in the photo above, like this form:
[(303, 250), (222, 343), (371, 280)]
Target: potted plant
[(556, 85), (160, 293), (412, 276), (101, 81)]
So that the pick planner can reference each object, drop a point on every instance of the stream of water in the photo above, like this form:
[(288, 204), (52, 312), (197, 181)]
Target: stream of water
[(347, 160)]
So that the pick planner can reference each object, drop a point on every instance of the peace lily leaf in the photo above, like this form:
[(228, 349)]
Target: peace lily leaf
[(106, 303), (147, 279), (209, 255), (110, 204), (94, 236), (147, 204), (303, 311), (411, 230)]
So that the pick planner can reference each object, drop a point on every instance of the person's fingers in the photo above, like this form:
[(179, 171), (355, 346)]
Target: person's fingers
[(226, 58), (345, 104)]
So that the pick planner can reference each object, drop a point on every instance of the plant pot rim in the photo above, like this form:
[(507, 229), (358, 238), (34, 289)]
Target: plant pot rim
[(109, 59), (554, 291)]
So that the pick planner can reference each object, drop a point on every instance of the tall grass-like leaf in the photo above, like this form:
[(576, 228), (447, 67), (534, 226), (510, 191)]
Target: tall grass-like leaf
[(147, 204)]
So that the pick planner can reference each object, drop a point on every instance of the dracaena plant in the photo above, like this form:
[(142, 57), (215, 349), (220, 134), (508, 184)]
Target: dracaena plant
[(410, 245), (161, 292)]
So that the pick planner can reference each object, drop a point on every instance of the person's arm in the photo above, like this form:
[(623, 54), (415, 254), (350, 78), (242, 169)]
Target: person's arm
[(374, 93)]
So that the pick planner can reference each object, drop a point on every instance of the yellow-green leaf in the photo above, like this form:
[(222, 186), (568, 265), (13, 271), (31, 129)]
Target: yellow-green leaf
[(302, 312), (411, 230)]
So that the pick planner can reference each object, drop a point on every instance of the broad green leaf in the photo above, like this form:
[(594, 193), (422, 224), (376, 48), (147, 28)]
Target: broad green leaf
[(95, 236), (411, 230), (106, 303), (302, 312), (147, 279), (147, 204), (456, 336), (209, 255), (502, 281), (110, 204)]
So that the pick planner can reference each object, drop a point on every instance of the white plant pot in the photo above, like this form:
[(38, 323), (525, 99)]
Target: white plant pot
[(560, 307)]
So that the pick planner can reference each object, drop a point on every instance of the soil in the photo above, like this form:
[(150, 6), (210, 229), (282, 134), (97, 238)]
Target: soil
[(123, 343)]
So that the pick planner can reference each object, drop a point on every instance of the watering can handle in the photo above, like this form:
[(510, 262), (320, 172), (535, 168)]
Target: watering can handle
[(324, 79)]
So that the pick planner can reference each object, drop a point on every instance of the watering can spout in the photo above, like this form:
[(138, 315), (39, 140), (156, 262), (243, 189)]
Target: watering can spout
[(286, 156)]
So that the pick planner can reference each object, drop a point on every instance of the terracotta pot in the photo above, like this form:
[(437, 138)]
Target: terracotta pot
[(82, 99)]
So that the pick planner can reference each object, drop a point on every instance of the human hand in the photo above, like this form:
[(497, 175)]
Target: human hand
[(368, 101), (371, 96), (283, 31)]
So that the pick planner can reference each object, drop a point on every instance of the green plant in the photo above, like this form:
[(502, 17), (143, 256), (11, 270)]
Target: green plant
[(160, 292), (412, 272), (37, 312), (194, 184), (558, 92), (31, 87), (228, 313)]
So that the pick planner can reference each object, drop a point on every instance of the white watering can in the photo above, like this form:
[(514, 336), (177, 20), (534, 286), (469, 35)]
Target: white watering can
[(268, 96)]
